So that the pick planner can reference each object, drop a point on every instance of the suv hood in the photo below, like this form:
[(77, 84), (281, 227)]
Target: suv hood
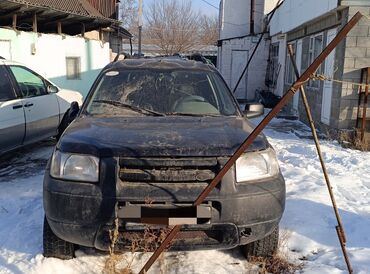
[(171, 136)]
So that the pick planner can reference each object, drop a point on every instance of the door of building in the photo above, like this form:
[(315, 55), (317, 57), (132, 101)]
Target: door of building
[(328, 85)]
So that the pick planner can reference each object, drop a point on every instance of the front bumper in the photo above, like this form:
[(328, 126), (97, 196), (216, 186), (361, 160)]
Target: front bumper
[(83, 213)]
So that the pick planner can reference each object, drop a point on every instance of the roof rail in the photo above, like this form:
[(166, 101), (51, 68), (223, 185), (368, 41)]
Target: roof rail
[(125, 54), (198, 57)]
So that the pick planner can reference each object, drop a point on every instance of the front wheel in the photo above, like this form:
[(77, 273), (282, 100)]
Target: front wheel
[(265, 247), (54, 247)]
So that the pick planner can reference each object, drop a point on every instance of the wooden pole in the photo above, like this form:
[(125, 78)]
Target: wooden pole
[(339, 228), (14, 21), (83, 29), (34, 23), (59, 26)]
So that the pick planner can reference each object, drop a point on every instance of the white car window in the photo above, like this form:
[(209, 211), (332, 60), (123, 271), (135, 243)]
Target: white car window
[(30, 84)]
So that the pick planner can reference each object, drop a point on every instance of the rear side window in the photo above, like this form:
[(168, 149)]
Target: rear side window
[(6, 89)]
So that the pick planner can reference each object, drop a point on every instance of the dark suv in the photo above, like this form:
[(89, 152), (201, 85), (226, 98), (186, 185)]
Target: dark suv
[(150, 136)]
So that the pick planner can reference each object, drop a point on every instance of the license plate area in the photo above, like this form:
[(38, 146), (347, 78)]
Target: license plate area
[(165, 214)]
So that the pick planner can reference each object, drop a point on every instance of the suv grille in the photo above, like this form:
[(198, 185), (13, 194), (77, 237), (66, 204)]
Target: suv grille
[(168, 170)]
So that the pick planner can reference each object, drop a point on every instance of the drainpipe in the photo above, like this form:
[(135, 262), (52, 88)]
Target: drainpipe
[(253, 6), (119, 38)]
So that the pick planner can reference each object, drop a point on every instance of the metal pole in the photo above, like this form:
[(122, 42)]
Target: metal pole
[(243, 147), (339, 228), (364, 108), (253, 5), (140, 26)]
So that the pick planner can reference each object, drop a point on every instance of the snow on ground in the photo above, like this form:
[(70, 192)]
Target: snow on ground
[(308, 223)]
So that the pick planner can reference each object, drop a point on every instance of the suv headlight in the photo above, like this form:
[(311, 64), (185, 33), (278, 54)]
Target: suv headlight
[(257, 165), (74, 167)]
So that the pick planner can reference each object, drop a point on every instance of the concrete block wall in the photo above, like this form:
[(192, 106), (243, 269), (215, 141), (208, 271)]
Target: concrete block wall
[(356, 57)]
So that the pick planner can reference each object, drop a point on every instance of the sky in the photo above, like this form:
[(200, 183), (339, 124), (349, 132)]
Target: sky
[(198, 4)]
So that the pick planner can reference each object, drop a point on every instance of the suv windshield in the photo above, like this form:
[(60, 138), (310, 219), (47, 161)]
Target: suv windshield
[(159, 92)]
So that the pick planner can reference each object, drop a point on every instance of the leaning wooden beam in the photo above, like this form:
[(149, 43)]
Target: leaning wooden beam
[(284, 100), (339, 227)]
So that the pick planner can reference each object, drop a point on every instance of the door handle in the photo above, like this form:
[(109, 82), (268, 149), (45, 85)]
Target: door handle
[(28, 105), (17, 106)]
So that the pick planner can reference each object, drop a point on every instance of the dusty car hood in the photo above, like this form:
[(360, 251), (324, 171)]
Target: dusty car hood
[(158, 136)]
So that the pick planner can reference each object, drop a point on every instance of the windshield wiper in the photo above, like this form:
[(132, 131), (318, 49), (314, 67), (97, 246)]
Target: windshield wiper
[(125, 105), (192, 114)]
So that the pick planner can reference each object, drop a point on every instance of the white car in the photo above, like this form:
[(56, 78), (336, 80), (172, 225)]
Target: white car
[(31, 107)]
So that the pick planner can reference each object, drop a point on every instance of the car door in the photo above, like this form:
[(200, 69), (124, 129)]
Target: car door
[(12, 120), (41, 108)]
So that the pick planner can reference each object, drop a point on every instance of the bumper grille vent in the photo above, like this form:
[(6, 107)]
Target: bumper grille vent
[(168, 170)]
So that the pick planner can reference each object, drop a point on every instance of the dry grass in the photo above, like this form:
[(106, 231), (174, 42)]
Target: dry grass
[(147, 241), (118, 264), (280, 263), (113, 264), (351, 139)]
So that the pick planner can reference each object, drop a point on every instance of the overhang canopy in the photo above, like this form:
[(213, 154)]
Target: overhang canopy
[(75, 16)]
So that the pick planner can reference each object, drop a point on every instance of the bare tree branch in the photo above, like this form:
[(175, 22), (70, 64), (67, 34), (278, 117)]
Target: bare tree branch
[(208, 30), (172, 25)]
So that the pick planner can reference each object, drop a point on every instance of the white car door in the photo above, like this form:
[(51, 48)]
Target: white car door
[(41, 108), (12, 121)]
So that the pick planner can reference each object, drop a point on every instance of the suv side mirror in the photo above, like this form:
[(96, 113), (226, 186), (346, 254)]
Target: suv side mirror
[(253, 110), (73, 111), (52, 89)]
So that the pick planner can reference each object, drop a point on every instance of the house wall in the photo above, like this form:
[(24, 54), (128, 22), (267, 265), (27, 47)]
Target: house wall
[(293, 13), (254, 79), (46, 54), (351, 55), (321, 25), (355, 57), (235, 18), (237, 44)]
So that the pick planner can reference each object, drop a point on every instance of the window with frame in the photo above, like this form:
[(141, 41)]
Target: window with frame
[(289, 69), (273, 66), (73, 65), (315, 48)]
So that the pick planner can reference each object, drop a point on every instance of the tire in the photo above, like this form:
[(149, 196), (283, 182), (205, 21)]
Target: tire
[(265, 247), (54, 247)]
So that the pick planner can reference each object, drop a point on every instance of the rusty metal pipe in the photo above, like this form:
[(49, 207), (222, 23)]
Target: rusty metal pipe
[(284, 100), (339, 228)]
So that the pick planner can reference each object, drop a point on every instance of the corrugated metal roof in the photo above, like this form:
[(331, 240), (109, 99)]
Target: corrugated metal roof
[(80, 7)]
